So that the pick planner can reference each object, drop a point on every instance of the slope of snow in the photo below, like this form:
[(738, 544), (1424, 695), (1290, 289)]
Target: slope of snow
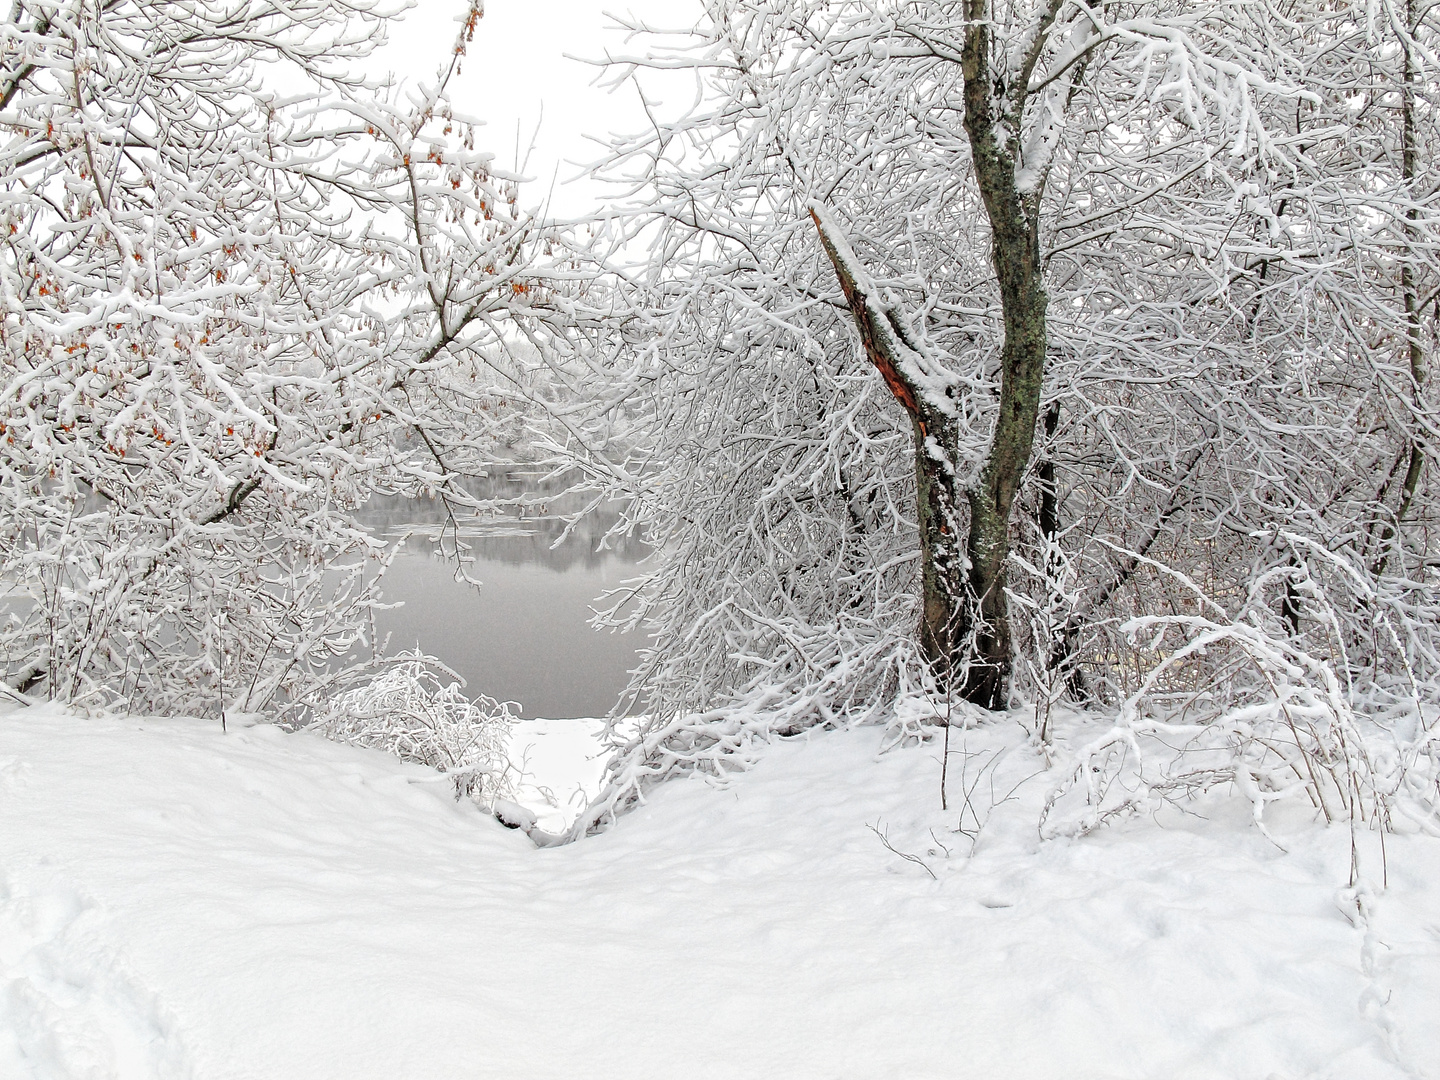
[(179, 903)]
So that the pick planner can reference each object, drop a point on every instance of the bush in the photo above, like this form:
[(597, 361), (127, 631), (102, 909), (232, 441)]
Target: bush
[(409, 711)]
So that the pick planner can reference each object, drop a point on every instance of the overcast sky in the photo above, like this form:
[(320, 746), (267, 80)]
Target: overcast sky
[(517, 67)]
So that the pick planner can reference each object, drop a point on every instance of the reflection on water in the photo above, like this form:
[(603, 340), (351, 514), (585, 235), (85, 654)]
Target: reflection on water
[(524, 635)]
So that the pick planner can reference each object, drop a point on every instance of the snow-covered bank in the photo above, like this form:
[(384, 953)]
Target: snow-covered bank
[(180, 903)]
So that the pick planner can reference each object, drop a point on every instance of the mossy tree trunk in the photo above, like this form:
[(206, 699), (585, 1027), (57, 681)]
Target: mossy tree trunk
[(965, 627), (993, 115)]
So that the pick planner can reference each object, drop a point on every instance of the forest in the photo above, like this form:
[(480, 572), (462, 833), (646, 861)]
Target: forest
[(1052, 367), (1065, 357)]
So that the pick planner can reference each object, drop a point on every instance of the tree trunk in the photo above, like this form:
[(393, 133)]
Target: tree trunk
[(1015, 253), (942, 570), (926, 391), (1064, 644), (965, 626), (1409, 167)]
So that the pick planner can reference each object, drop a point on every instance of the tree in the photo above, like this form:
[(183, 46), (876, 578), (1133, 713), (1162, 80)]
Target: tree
[(1022, 68), (1112, 262), (242, 288)]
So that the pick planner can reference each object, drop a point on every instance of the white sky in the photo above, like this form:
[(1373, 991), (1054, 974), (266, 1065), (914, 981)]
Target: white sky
[(516, 67)]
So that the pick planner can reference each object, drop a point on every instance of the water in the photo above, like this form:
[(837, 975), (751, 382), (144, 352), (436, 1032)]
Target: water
[(524, 635)]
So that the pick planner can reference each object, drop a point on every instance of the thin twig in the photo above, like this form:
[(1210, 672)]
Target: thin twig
[(885, 839)]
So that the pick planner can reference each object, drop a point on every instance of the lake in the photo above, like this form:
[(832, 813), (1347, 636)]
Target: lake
[(524, 635)]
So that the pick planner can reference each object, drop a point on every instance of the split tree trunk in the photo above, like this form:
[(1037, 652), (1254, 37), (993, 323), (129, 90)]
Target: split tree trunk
[(965, 625), (925, 390), (965, 628)]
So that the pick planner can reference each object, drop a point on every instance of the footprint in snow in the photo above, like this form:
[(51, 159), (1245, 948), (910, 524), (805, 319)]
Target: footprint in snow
[(70, 1009), (12, 773)]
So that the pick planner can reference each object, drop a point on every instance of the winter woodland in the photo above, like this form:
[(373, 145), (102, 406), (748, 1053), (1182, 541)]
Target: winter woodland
[(956, 358)]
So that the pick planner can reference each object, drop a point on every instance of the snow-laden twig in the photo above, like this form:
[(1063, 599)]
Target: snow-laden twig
[(1225, 222), (228, 317), (1242, 703), (412, 711)]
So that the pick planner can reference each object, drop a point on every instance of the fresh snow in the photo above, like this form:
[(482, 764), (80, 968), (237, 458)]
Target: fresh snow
[(178, 902)]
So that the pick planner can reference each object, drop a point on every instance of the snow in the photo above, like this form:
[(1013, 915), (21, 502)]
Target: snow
[(178, 902), (923, 374)]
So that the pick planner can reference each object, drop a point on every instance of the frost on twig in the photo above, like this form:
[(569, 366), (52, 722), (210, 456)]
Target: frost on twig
[(229, 316), (410, 711), (1239, 274), (1237, 702)]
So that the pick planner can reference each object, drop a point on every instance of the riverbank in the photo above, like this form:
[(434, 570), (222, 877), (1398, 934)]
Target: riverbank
[(177, 902)]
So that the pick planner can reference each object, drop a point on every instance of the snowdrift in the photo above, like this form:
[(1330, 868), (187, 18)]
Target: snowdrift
[(178, 903)]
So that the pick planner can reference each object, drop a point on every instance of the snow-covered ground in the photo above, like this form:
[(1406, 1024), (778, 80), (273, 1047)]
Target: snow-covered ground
[(175, 902)]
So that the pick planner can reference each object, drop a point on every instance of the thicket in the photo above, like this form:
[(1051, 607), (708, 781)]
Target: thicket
[(1223, 533), (1006, 352)]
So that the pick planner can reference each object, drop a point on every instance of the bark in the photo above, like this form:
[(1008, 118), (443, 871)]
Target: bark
[(1015, 253), (965, 626), (942, 569)]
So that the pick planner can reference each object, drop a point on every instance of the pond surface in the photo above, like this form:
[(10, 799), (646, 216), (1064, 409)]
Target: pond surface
[(524, 634)]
